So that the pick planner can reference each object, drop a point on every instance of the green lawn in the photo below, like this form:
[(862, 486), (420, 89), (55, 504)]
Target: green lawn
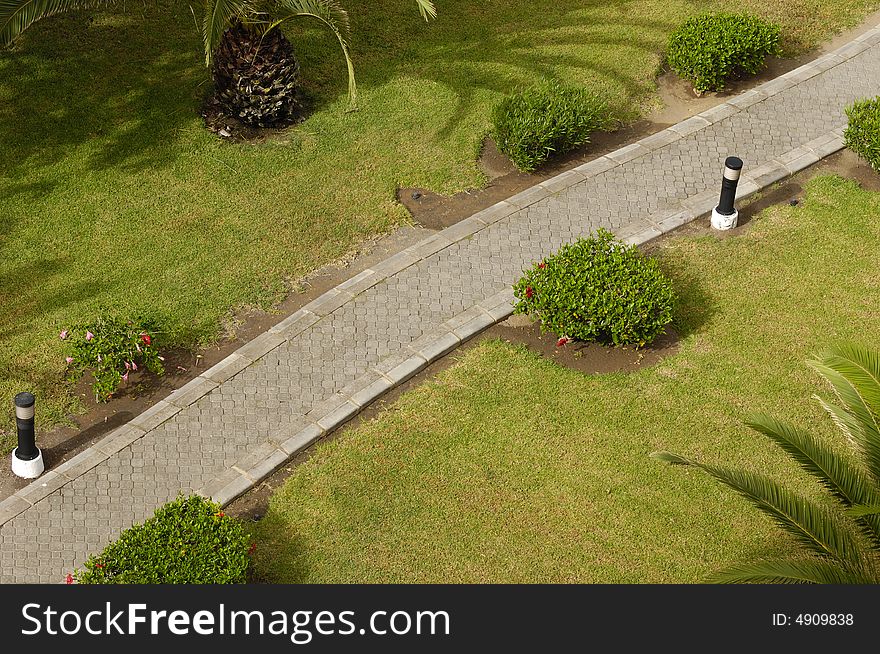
[(113, 194), (508, 468)]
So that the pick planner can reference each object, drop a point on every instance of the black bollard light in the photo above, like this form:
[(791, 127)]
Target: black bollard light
[(724, 216), (27, 460)]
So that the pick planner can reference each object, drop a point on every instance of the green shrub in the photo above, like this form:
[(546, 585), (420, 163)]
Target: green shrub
[(187, 541), (862, 134), (534, 123), (711, 48), (112, 348), (598, 289)]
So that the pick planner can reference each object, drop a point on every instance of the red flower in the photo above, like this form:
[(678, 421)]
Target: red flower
[(146, 338), (529, 292), (562, 341), (99, 565), (252, 548), (69, 579), (542, 265), (219, 514)]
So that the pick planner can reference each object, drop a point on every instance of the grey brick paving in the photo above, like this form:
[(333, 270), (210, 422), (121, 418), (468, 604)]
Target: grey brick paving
[(268, 400)]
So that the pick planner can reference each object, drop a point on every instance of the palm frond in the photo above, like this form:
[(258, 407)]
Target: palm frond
[(17, 15), (219, 14), (814, 526), (427, 9), (854, 374), (333, 16), (859, 510), (805, 571), (843, 479)]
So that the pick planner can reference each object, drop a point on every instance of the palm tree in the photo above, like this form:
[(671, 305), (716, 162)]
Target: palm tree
[(841, 537), (255, 72)]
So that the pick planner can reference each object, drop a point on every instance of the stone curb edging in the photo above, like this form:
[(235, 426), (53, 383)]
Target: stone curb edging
[(394, 370)]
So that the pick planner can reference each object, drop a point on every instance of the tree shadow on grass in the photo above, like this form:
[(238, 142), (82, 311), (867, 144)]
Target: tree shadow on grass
[(110, 90), (125, 82), (695, 307), (495, 47)]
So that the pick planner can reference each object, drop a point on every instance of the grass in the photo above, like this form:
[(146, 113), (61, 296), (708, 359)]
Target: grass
[(509, 468), (112, 194)]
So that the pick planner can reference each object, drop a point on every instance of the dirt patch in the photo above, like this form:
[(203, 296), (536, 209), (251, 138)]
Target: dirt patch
[(231, 128), (590, 358)]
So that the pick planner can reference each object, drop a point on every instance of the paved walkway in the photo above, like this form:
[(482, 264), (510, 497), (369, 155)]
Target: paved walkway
[(238, 421)]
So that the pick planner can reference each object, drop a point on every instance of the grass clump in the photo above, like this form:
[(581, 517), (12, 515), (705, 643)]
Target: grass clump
[(862, 134), (710, 49), (535, 123)]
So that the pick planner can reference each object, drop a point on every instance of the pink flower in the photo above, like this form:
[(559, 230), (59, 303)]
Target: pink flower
[(125, 376), (63, 334), (134, 366), (69, 359), (99, 358), (89, 336), (138, 346), (562, 341), (161, 358), (127, 365)]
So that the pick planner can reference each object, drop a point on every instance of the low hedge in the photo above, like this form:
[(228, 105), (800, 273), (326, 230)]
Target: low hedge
[(710, 49), (187, 541), (537, 122), (862, 134)]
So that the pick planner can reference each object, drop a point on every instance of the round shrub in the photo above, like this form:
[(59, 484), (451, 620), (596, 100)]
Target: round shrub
[(862, 134), (534, 123), (598, 289), (711, 48), (187, 541)]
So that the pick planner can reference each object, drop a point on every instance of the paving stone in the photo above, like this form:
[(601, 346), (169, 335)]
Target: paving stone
[(295, 324), (360, 282), (11, 507), (155, 415), (302, 439), (374, 390), (660, 139), (338, 416), (227, 368), (118, 439)]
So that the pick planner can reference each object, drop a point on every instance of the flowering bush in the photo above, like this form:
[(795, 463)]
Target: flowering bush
[(187, 541), (598, 289), (112, 348)]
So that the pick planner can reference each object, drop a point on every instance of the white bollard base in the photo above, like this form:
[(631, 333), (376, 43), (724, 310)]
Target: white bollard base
[(720, 221), (28, 469)]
